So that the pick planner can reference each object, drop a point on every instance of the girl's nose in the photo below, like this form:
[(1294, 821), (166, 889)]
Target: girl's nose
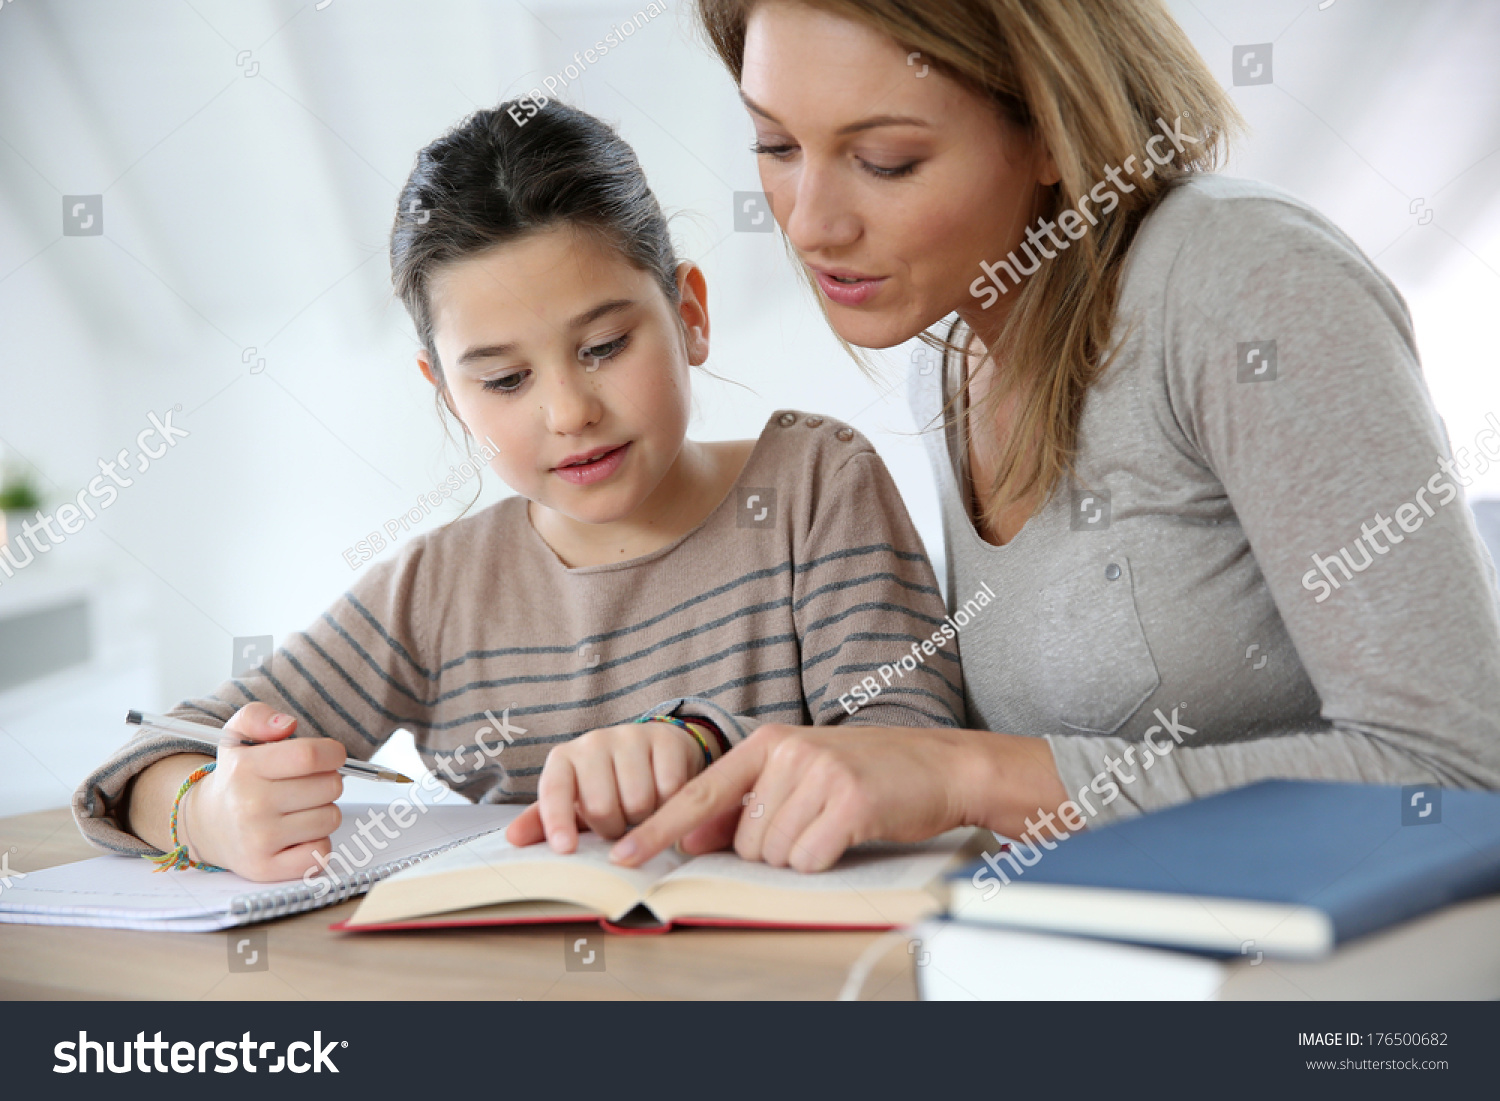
[(571, 403)]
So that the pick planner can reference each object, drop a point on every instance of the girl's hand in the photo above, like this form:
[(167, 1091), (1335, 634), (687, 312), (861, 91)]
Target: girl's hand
[(798, 797), (607, 780), (265, 810)]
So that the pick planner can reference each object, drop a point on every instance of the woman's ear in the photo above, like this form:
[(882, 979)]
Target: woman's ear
[(430, 373), (692, 307), (1047, 173)]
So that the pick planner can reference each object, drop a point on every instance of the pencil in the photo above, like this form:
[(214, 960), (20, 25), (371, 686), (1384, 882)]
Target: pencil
[(212, 736)]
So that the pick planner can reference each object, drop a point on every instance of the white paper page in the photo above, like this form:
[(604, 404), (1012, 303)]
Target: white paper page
[(129, 886), (873, 866), (494, 851)]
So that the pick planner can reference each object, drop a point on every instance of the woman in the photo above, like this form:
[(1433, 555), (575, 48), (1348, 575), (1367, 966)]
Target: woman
[(1181, 431)]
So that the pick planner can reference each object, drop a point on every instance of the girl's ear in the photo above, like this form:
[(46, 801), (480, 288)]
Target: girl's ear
[(692, 307), (424, 363)]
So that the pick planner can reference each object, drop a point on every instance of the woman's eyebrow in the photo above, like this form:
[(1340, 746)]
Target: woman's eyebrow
[(588, 317), (852, 128)]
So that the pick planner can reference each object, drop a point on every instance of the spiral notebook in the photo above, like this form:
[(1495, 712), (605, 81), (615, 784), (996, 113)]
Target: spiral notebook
[(125, 892)]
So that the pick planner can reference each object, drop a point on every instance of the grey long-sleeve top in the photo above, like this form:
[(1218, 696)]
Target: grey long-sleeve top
[(1263, 555)]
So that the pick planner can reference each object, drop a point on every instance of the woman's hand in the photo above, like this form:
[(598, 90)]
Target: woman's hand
[(266, 810), (606, 781), (798, 797)]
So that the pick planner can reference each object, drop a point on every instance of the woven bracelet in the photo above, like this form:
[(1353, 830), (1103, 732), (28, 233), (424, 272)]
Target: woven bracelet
[(177, 857)]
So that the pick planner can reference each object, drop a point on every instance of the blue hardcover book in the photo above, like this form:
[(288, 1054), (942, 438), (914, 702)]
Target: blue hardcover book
[(1284, 867)]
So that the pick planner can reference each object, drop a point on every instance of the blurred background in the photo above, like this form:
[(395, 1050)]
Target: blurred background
[(195, 197)]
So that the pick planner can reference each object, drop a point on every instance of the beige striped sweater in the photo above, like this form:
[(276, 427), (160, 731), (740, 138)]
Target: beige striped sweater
[(804, 581)]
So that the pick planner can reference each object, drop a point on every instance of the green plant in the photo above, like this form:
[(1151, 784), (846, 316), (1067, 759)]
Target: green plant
[(17, 493)]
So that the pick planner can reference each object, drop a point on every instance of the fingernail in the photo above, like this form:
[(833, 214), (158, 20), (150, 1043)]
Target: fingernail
[(623, 851), (279, 719)]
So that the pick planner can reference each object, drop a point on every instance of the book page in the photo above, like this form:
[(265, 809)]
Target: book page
[(873, 866), (494, 852), (876, 885), (490, 870)]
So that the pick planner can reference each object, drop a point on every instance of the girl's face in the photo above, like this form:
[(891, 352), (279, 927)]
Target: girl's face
[(572, 363), (892, 181)]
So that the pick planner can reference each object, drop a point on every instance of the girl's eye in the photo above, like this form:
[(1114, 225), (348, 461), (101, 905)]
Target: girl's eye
[(883, 173), (777, 152), (596, 354), (505, 384)]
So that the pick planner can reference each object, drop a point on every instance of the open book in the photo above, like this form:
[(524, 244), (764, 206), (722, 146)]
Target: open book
[(488, 881), (126, 892)]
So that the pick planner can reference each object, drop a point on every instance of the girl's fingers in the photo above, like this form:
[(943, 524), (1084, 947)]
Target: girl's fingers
[(634, 779), (556, 794), (287, 759), (713, 792), (293, 863), (527, 828), (303, 826), (598, 795), (303, 792), (669, 767), (262, 722)]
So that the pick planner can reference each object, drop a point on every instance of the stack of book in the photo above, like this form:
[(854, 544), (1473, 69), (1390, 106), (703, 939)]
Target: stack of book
[(1282, 889)]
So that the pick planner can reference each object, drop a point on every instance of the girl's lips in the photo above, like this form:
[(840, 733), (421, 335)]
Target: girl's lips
[(596, 471), (847, 294)]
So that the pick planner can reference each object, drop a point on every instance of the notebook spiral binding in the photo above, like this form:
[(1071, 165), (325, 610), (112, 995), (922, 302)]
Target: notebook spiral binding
[(281, 902)]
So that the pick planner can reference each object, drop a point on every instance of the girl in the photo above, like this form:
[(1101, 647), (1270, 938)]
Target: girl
[(1177, 415), (638, 575)]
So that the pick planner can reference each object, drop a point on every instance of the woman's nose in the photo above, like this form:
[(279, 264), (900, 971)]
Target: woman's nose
[(820, 217)]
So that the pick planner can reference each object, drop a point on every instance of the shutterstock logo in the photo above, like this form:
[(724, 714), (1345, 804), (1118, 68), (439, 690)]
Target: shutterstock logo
[(7, 873), (1090, 510), (1421, 805), (1256, 361)]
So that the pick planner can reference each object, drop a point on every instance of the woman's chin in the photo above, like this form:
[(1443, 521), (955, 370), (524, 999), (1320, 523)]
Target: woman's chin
[(865, 328)]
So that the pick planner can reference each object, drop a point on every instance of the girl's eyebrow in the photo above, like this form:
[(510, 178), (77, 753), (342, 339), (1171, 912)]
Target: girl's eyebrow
[(588, 317), (853, 128)]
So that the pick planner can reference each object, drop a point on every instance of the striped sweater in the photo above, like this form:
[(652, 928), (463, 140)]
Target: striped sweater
[(807, 578)]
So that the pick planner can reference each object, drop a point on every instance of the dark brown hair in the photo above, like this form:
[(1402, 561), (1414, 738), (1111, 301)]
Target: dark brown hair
[(503, 173)]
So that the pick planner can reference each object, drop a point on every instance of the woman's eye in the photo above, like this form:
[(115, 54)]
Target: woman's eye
[(891, 173), (777, 152), (505, 384), (596, 354)]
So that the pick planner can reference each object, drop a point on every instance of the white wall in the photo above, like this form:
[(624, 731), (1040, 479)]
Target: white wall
[(249, 212)]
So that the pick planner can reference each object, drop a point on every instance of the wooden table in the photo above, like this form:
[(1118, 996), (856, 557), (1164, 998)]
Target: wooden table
[(308, 960)]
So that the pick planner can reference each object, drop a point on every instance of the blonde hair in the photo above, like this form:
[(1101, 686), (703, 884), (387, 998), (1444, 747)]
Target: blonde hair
[(1090, 79)]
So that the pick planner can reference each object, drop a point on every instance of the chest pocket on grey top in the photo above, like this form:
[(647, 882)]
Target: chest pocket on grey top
[(1095, 667)]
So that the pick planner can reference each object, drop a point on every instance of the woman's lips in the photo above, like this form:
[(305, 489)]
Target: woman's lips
[(847, 293), (594, 471)]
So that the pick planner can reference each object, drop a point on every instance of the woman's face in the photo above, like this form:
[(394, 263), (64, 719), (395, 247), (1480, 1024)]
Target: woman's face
[(555, 349), (892, 181)]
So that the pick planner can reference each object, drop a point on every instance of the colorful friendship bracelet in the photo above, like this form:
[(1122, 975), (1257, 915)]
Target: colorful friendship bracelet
[(685, 724), (177, 857)]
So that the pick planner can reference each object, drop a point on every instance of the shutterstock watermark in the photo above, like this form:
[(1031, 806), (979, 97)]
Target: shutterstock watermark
[(372, 544), (866, 690), (7, 873), (404, 812), (526, 107), (1075, 222), (1070, 812), (1408, 516), (70, 518)]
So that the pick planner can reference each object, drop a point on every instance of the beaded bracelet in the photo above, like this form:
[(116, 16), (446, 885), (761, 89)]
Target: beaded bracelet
[(177, 857), (673, 720)]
